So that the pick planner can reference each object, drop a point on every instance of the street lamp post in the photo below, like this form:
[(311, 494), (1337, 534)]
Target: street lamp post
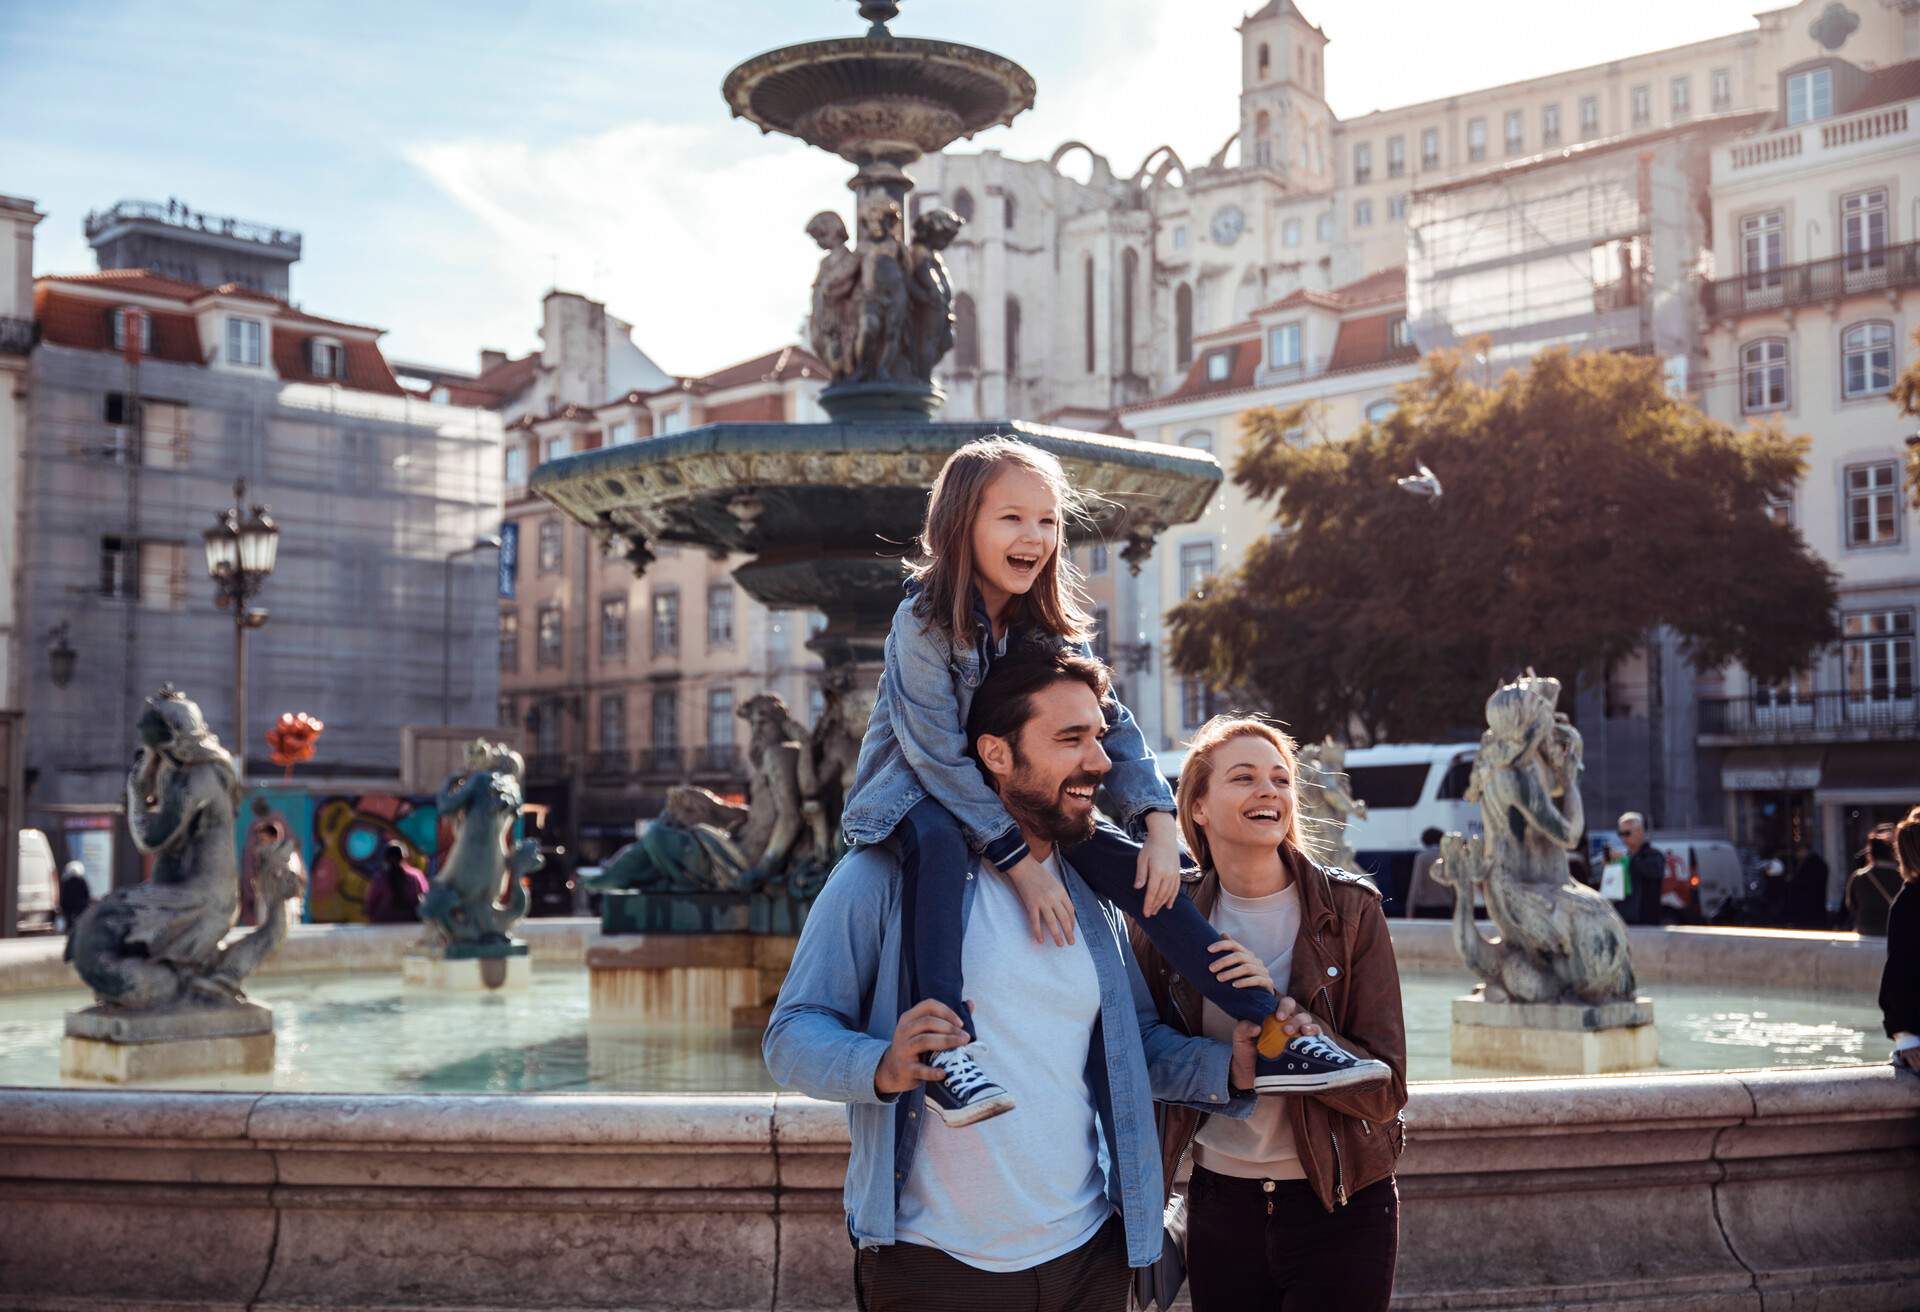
[(488, 542), (240, 555)]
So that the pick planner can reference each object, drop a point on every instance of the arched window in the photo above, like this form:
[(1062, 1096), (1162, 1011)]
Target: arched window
[(1013, 337), (1763, 375), (1266, 60), (1866, 360), (1263, 138), (963, 204), (1129, 275), (1183, 326), (1381, 411), (966, 335), (1089, 313), (1200, 439), (1011, 210)]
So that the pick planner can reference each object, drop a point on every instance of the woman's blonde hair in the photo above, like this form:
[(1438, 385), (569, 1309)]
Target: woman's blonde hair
[(1906, 846), (1196, 776), (1056, 603)]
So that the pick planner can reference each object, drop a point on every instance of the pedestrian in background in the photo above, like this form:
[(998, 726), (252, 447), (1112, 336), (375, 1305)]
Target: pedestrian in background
[(1872, 888), (1807, 890), (75, 896), (1900, 978), (1427, 899), (1646, 869), (393, 898)]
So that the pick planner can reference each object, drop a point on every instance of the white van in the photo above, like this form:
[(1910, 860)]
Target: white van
[(39, 881)]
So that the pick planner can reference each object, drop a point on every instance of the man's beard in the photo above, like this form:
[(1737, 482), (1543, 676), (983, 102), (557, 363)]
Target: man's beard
[(1039, 810)]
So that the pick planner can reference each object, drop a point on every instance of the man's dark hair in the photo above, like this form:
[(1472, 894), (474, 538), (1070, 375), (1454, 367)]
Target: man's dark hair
[(1880, 851), (1430, 837), (1004, 702)]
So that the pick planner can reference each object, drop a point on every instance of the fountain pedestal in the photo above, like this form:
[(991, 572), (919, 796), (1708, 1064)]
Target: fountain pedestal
[(469, 967), (1555, 1038), (119, 1045), (711, 980)]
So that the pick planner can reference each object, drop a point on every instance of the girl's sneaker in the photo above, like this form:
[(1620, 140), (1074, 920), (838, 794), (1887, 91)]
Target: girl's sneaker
[(1311, 1063), (966, 1096)]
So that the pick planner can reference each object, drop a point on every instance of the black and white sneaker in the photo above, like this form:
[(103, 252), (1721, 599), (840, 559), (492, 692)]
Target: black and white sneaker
[(1310, 1063), (966, 1096)]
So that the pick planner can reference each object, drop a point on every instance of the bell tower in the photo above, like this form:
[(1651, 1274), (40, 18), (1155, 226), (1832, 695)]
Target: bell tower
[(1285, 125)]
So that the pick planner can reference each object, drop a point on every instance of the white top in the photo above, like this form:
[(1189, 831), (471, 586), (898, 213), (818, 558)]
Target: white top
[(1026, 1186), (1260, 1147)]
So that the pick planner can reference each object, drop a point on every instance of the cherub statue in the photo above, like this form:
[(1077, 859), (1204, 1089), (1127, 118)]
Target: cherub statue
[(881, 301), (930, 290), (157, 943), (482, 802), (1559, 940), (831, 325), (1327, 802)]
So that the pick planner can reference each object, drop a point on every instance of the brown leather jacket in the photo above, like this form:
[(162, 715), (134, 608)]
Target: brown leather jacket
[(1344, 973)]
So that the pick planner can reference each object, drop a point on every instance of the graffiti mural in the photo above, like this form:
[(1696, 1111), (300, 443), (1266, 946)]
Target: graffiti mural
[(341, 836)]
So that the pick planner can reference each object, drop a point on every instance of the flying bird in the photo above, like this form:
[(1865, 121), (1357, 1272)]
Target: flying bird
[(1425, 484)]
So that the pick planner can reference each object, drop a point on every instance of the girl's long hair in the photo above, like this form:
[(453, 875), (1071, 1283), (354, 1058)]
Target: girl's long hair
[(1057, 602), (1196, 776)]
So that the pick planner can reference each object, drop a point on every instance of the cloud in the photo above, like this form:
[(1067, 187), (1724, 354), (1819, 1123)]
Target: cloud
[(694, 233)]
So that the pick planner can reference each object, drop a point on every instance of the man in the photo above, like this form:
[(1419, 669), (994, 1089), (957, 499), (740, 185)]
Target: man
[(1017, 1212), (393, 898), (1427, 898), (1807, 890), (75, 895), (1872, 888), (1646, 869)]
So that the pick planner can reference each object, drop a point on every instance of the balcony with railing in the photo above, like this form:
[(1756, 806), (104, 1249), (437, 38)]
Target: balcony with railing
[(1822, 717), (546, 767), (717, 758), (609, 763), (16, 335), (663, 763), (1808, 143), (1882, 269)]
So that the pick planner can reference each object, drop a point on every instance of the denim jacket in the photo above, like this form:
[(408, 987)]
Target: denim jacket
[(916, 744), (838, 1008)]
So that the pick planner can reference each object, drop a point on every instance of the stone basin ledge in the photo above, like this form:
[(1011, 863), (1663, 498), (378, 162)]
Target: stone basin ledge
[(1744, 1190)]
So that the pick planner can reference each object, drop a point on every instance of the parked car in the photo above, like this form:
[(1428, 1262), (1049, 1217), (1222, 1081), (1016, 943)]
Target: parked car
[(39, 882)]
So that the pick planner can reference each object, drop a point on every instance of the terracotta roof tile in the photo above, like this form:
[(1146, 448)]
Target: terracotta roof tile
[(87, 325), (1245, 363), (774, 367), (367, 369), (1892, 83), (1368, 340)]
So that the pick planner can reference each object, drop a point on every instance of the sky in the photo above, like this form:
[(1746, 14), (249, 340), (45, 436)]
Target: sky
[(448, 163)]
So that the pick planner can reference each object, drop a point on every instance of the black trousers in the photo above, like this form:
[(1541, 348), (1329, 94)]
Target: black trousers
[(914, 1278), (1268, 1246)]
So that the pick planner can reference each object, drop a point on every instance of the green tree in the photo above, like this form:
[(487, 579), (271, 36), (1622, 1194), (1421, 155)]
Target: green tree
[(1906, 395), (1583, 506)]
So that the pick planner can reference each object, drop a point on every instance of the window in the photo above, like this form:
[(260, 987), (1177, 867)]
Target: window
[(1266, 60), (510, 641), (1589, 115), (1099, 642), (1179, 236), (1721, 82), (1183, 326), (1389, 787), (1397, 205), (1363, 163), (966, 335), (613, 723), (1430, 148), (1516, 132), (1200, 439), (163, 576), (1809, 96), (1550, 125), (1012, 312), (1290, 233), (666, 622), (1641, 98), (1381, 411), (613, 628), (1396, 157), (1476, 139), (1196, 704), (1009, 211), (674, 420), (1323, 227), (166, 431), (1878, 655), (1400, 332), (1196, 567), (963, 205), (1283, 346), (1363, 214), (1863, 229), (1760, 250), (1873, 504), (244, 340), (1129, 280), (1097, 558), (326, 358), (1866, 360), (549, 638), (1219, 366), (1763, 375), (1780, 511), (1680, 96), (120, 330), (546, 730), (1087, 311), (620, 432), (719, 717), (552, 448), (552, 544), (1262, 139), (516, 464), (118, 577), (666, 718), (720, 615)]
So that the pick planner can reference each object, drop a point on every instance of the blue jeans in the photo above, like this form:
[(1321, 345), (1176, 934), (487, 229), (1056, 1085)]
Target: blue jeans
[(935, 861)]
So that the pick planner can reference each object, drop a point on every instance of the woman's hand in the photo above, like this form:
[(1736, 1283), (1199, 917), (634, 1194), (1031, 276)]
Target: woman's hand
[(1049, 905), (1158, 870), (1238, 966)]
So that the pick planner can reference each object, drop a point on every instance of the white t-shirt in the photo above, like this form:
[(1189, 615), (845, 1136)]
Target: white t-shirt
[(1261, 1146), (1025, 1187)]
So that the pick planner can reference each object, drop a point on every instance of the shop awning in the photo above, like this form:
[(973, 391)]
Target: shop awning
[(1772, 769)]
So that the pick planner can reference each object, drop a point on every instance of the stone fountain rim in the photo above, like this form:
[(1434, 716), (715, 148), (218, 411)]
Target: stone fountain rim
[(738, 85)]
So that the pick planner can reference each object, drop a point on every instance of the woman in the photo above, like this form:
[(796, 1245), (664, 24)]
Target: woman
[(1900, 979), (1294, 1207)]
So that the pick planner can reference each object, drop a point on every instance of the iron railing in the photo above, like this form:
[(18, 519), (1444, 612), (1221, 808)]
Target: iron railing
[(16, 335), (613, 761), (177, 215), (547, 765), (663, 762), (1814, 717), (1882, 269), (718, 758)]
